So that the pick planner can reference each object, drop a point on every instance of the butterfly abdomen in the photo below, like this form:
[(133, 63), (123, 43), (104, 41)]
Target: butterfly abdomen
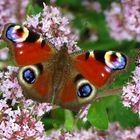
[(61, 71)]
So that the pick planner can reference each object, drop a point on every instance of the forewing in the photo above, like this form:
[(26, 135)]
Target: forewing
[(27, 46)]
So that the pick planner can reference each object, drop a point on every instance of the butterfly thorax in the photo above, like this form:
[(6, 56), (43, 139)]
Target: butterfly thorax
[(61, 69)]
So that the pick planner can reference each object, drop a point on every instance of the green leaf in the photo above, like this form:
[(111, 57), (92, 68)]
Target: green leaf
[(69, 120), (33, 8), (97, 115), (54, 119), (3, 45), (125, 116), (81, 124), (51, 123), (72, 3)]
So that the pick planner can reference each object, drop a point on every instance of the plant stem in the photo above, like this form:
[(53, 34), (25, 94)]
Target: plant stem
[(109, 93)]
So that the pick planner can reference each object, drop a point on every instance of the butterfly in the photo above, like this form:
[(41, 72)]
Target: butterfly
[(50, 75)]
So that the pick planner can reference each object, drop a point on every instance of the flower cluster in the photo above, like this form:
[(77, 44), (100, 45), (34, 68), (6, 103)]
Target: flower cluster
[(54, 28), (20, 118), (8, 11), (19, 124), (114, 19), (115, 132), (132, 17), (123, 22), (131, 92)]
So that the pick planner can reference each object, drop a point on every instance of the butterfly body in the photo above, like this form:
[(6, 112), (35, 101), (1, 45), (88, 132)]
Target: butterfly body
[(58, 70), (50, 75)]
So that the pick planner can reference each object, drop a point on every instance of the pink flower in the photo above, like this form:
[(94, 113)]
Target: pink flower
[(23, 122), (54, 27), (124, 23), (131, 92), (132, 17), (115, 132), (114, 19)]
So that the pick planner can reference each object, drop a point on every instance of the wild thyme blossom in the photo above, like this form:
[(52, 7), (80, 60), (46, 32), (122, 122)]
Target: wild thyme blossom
[(115, 21), (75, 135), (123, 22), (115, 132), (131, 92), (8, 11), (20, 124), (20, 118), (54, 27), (132, 17)]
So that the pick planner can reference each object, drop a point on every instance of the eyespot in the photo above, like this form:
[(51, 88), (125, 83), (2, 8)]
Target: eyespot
[(115, 60), (85, 91), (28, 75), (17, 33)]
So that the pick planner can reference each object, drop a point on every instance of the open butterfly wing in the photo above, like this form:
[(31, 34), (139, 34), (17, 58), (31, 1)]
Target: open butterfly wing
[(28, 47), (97, 66)]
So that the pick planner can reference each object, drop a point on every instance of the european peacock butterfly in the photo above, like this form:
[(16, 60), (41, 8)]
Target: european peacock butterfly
[(49, 75)]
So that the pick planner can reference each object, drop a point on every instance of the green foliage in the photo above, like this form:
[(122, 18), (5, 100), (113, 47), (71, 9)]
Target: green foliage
[(97, 115), (54, 119), (2, 45), (69, 120), (117, 112), (33, 8)]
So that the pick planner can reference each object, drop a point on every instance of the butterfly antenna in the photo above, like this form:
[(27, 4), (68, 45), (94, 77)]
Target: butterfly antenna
[(52, 100), (53, 96)]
